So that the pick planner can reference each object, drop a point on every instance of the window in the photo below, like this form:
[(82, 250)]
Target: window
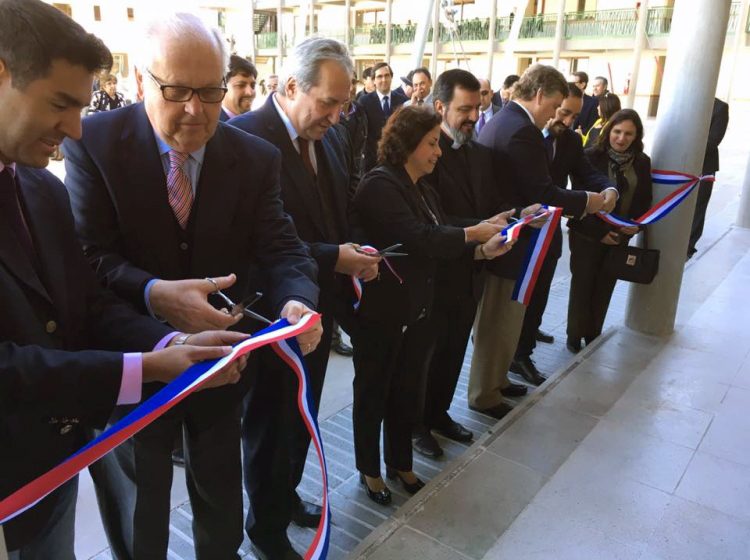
[(97, 13), (64, 8), (131, 14)]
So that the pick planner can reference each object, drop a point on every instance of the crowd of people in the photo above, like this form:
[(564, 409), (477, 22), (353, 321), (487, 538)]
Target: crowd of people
[(110, 282)]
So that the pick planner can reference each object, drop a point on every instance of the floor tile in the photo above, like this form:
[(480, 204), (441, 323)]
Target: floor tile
[(408, 544)]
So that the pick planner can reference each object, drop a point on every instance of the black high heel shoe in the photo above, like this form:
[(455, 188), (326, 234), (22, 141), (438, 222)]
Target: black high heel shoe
[(411, 487), (383, 497)]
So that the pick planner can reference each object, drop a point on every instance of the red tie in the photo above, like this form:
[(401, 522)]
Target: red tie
[(178, 188)]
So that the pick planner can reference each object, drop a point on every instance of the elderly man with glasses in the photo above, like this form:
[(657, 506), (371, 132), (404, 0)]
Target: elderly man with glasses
[(172, 207)]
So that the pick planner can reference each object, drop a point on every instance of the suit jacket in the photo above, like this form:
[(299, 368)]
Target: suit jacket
[(570, 162), (716, 131), (593, 227), (301, 197), (61, 343), (376, 119), (223, 115), (496, 109), (237, 224), (388, 209), (589, 114)]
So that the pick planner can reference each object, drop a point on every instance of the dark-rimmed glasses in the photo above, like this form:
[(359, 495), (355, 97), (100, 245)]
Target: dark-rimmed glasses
[(183, 94)]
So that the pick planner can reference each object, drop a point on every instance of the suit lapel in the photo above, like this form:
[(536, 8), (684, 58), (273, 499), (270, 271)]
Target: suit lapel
[(339, 179), (11, 254)]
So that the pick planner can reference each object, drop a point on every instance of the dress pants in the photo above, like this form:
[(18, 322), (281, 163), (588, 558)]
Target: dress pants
[(453, 319), (389, 375), (699, 218), (496, 330), (532, 319), (55, 540), (590, 287), (133, 485), (275, 440)]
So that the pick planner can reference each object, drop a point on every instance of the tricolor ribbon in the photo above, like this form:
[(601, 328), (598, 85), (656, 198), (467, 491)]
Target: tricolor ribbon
[(538, 247), (357, 283), (667, 204), (280, 335)]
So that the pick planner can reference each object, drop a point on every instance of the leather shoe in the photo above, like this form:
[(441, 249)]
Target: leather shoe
[(411, 487), (425, 444), (498, 411), (514, 390), (455, 431), (342, 348), (307, 514), (525, 368), (383, 497), (542, 336), (274, 548), (573, 344)]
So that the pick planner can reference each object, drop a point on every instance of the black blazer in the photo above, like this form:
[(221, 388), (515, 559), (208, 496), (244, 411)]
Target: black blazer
[(716, 131), (118, 192), (588, 114), (61, 343), (300, 195), (387, 209), (223, 115), (594, 227), (376, 120)]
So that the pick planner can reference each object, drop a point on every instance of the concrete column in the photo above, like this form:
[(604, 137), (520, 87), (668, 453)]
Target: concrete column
[(743, 216), (311, 26), (279, 33), (491, 39), (739, 38), (253, 47), (348, 27), (640, 42), (420, 38), (652, 308), (388, 29), (435, 37), (559, 33)]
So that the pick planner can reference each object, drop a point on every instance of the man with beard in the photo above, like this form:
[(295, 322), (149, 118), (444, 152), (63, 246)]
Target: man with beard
[(567, 160), (468, 190), (240, 81)]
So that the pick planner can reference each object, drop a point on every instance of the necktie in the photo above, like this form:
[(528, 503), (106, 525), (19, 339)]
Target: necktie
[(304, 151), (179, 188), (11, 212), (386, 106), (481, 122)]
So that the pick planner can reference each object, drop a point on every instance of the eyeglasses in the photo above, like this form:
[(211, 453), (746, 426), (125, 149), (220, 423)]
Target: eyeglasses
[(484, 92), (183, 94)]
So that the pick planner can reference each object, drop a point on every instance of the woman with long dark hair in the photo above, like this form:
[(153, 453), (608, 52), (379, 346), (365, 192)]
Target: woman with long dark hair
[(394, 205), (609, 104), (619, 154)]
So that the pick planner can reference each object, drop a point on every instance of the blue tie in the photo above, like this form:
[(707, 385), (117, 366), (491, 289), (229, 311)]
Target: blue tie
[(481, 123), (386, 106)]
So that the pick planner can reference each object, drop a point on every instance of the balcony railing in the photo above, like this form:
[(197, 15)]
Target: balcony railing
[(602, 23), (267, 40)]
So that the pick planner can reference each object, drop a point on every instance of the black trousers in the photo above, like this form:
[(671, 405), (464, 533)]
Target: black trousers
[(590, 287), (275, 440), (133, 485), (705, 188), (389, 373), (453, 319), (532, 320)]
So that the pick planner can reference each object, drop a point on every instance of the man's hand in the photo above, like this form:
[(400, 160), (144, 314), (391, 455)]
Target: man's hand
[(539, 222), (610, 200), (165, 365), (595, 202), (501, 219), (354, 263), (482, 232), (294, 311), (496, 247), (184, 304), (629, 230), (611, 238)]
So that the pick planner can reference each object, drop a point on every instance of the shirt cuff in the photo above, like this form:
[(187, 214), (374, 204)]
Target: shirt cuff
[(147, 299), (132, 378), (166, 340), (617, 193)]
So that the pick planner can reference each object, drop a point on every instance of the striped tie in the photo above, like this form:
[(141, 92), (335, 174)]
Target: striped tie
[(178, 188)]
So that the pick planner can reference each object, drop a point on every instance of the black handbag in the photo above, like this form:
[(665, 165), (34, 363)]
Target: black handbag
[(633, 264)]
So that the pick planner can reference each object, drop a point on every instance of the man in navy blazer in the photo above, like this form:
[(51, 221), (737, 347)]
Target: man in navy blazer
[(69, 350), (589, 113), (379, 105), (171, 205)]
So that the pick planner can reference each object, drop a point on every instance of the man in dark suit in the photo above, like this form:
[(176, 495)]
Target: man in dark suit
[(299, 119), (502, 96), (588, 113), (568, 160), (716, 131), (66, 345), (487, 108), (515, 137), (240, 82), (170, 206), (378, 106)]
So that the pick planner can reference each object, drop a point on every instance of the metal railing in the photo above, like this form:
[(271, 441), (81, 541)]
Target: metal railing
[(602, 23), (267, 40), (538, 26)]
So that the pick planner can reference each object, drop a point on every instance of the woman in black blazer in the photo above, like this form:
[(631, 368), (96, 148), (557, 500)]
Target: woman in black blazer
[(393, 205), (618, 153)]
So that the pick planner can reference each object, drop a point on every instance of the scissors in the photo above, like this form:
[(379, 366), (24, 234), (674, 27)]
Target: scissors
[(387, 252), (243, 306)]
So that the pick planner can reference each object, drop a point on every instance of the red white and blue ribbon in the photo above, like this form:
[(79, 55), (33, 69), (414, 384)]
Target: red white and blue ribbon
[(667, 204), (357, 283), (538, 247), (280, 335)]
